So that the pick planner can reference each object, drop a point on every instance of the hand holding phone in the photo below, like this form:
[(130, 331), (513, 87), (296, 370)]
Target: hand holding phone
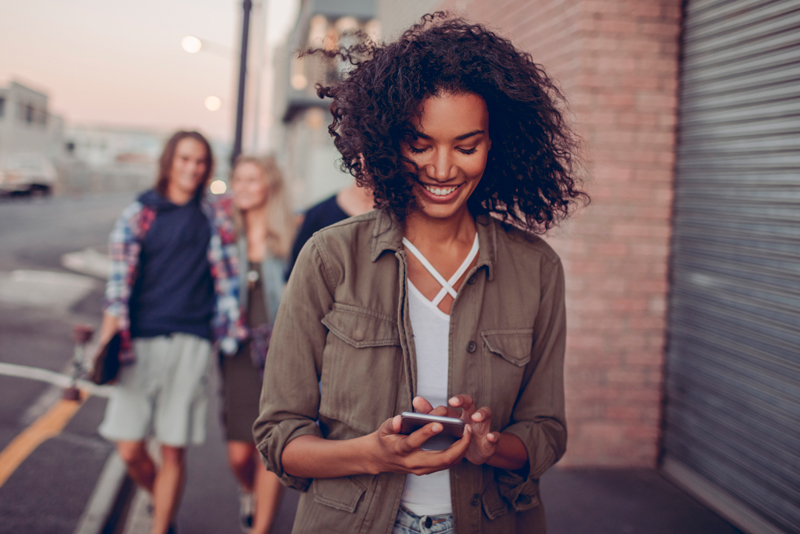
[(452, 431), (484, 442)]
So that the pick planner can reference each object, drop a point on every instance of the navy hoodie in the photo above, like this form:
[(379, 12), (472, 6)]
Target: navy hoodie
[(174, 291)]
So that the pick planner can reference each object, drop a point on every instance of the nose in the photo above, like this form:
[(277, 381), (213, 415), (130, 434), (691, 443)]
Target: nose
[(441, 168)]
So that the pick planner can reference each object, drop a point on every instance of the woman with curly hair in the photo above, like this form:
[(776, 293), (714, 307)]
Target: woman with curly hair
[(442, 301)]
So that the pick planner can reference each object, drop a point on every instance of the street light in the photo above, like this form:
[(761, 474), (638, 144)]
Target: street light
[(247, 6), (191, 44), (213, 103)]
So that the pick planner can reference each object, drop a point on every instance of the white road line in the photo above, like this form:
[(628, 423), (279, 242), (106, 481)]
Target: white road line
[(46, 289), (106, 492), (88, 261), (51, 377)]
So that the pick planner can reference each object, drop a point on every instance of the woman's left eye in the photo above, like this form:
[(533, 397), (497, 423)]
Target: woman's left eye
[(468, 150)]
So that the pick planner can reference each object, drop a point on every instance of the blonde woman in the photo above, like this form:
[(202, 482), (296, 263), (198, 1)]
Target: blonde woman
[(266, 232)]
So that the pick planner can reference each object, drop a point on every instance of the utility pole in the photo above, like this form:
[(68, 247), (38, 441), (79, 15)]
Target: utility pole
[(261, 55), (247, 6)]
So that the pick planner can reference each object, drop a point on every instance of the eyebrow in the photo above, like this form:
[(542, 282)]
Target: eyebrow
[(459, 138)]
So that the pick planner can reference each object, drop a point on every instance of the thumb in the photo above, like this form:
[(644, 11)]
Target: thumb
[(395, 426)]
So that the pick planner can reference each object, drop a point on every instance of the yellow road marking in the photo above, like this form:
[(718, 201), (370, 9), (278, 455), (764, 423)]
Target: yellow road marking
[(49, 425)]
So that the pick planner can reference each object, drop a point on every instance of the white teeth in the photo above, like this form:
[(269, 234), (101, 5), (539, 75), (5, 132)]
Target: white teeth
[(440, 191)]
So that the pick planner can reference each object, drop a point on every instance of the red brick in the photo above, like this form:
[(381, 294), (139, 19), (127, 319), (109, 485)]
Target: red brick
[(641, 10), (623, 413), (645, 356), (666, 30)]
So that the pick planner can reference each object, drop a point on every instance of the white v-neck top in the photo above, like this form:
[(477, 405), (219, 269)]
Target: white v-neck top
[(429, 494)]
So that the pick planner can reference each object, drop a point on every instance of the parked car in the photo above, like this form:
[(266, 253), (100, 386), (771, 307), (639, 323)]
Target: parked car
[(29, 175)]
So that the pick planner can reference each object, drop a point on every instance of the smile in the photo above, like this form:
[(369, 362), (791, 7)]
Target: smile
[(440, 191)]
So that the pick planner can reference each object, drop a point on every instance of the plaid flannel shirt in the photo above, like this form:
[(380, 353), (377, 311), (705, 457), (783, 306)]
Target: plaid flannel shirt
[(125, 241)]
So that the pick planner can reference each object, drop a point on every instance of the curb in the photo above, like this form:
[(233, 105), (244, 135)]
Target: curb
[(107, 500)]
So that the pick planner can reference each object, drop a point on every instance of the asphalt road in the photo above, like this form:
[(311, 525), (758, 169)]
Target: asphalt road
[(48, 491)]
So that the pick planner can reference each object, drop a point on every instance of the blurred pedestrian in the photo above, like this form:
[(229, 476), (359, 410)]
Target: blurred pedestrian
[(173, 291), (349, 202), (442, 301), (266, 229)]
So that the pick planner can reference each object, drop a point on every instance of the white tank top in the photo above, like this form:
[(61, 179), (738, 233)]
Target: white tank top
[(430, 494)]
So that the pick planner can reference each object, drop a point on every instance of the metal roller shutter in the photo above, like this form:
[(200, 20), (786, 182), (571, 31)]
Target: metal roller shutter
[(732, 417)]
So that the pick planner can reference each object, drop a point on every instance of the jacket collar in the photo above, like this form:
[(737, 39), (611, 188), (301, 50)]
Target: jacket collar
[(387, 234)]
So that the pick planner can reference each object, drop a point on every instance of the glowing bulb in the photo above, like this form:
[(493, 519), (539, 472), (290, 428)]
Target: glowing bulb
[(191, 44), (218, 187), (213, 103), (299, 82)]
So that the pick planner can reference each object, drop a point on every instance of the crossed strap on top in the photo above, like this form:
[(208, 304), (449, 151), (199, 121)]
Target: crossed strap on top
[(447, 285)]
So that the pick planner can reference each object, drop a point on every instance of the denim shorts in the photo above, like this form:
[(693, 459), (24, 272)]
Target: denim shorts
[(408, 523)]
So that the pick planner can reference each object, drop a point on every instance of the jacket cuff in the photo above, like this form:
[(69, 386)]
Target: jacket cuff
[(521, 489), (271, 449), (522, 493), (114, 308)]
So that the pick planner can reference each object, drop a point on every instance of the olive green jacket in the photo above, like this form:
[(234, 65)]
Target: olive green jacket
[(342, 361)]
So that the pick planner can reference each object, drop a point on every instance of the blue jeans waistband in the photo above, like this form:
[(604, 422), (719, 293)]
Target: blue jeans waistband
[(409, 523)]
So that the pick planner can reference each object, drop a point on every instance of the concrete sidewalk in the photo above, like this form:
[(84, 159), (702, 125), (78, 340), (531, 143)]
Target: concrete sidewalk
[(623, 501)]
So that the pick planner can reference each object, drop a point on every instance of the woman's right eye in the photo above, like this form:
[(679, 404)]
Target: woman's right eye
[(416, 150)]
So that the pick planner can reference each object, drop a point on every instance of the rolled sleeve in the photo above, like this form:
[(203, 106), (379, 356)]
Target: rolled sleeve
[(538, 418), (123, 253), (290, 395)]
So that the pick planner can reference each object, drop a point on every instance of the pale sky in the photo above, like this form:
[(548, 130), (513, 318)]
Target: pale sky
[(117, 62)]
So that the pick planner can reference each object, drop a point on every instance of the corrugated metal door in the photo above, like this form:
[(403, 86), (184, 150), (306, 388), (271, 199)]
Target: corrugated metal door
[(732, 419)]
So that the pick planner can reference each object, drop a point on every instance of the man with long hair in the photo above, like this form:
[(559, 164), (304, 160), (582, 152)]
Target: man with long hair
[(171, 295)]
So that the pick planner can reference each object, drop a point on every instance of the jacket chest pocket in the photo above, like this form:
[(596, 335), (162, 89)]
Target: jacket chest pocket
[(506, 352), (361, 367)]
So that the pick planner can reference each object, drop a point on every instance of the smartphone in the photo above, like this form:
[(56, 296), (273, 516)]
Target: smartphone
[(452, 431)]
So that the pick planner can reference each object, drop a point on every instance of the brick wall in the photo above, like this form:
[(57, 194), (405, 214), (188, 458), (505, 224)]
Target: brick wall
[(617, 63)]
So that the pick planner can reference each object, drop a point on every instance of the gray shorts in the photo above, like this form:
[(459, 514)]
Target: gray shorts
[(167, 388)]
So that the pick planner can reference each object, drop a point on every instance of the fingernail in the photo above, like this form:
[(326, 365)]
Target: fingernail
[(436, 427), (454, 400)]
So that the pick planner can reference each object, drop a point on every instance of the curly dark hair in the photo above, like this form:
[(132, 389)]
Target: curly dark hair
[(530, 177)]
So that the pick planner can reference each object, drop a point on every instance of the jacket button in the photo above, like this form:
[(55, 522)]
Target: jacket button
[(472, 279), (476, 499), (471, 346)]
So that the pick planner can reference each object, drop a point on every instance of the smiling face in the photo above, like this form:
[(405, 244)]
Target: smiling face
[(189, 167), (249, 185), (451, 150)]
